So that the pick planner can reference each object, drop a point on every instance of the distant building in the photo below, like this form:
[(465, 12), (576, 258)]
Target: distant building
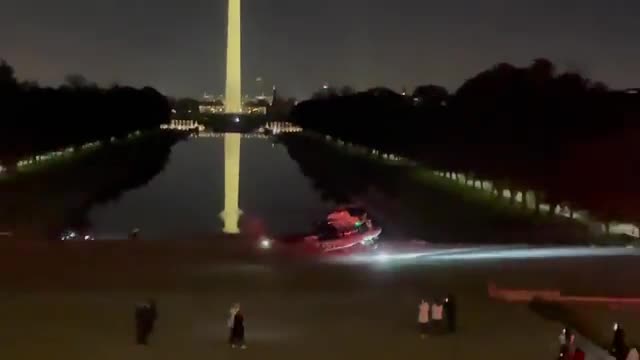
[(216, 104), (212, 104), (258, 105)]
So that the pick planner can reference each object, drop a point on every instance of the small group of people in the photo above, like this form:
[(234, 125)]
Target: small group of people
[(618, 350), (437, 316), (146, 315)]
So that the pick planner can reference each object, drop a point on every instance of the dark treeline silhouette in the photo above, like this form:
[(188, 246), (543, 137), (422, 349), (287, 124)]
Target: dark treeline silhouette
[(280, 108), (569, 139), (136, 164), (408, 204), (35, 120), (61, 196)]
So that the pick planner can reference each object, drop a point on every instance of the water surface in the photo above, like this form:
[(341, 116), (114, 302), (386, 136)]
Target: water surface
[(187, 198)]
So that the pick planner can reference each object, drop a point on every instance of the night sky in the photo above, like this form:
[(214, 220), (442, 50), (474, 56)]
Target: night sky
[(178, 46)]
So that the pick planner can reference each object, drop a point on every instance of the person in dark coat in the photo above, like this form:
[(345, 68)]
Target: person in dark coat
[(237, 330), (142, 324), (618, 348), (232, 315), (450, 311), (145, 315)]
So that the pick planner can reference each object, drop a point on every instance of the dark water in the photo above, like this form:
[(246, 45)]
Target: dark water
[(187, 198)]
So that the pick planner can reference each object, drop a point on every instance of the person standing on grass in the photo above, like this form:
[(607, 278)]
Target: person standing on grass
[(232, 314), (436, 317), (144, 323), (450, 309), (423, 318), (619, 348), (237, 329)]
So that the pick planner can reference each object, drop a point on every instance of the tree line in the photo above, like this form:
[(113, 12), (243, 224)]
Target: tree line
[(567, 137), (60, 197), (36, 119)]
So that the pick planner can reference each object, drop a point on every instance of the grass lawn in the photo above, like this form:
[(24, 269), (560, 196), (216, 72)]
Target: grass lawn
[(75, 301)]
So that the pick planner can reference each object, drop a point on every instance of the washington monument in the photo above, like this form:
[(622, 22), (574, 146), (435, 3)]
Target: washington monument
[(233, 94), (233, 105)]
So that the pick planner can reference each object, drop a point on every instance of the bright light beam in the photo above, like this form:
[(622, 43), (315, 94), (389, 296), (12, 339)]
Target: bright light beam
[(541, 253), (389, 256), (489, 253)]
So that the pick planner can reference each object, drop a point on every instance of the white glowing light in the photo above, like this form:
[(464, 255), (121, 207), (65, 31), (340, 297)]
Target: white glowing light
[(237, 119), (382, 257), (265, 244), (538, 253)]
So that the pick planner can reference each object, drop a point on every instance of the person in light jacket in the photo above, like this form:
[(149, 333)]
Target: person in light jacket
[(423, 318), (436, 317)]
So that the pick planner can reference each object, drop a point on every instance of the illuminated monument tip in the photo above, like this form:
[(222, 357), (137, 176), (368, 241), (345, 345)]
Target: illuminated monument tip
[(233, 95)]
